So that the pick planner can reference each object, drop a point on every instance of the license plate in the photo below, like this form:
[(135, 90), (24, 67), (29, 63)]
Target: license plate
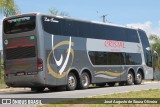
[(20, 73)]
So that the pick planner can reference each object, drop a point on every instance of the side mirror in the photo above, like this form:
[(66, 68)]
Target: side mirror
[(148, 49)]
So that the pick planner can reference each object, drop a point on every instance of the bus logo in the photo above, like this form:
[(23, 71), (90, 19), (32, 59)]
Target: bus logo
[(46, 19), (70, 53)]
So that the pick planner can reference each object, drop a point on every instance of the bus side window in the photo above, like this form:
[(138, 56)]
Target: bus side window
[(132, 36)]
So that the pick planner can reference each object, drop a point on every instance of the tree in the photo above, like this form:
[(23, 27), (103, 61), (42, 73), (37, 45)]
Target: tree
[(155, 42), (155, 46), (8, 8), (54, 11)]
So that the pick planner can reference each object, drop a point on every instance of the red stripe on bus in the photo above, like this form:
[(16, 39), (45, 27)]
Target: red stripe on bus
[(27, 45), (11, 47)]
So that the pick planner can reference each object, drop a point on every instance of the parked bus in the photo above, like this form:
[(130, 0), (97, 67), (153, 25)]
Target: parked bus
[(44, 51)]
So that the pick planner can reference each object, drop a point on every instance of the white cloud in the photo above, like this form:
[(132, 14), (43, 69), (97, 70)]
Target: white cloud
[(147, 26)]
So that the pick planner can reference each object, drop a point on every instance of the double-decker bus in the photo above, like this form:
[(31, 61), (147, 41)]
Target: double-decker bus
[(44, 51)]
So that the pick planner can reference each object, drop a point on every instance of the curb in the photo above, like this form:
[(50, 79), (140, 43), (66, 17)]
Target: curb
[(13, 89)]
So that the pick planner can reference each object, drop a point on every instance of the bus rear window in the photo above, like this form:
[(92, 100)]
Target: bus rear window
[(19, 24)]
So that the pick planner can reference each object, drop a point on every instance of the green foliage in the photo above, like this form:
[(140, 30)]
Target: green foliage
[(155, 46), (156, 42), (8, 8), (54, 11), (151, 93), (1, 72)]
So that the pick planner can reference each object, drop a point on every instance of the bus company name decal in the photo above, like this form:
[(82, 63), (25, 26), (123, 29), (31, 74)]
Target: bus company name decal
[(114, 44)]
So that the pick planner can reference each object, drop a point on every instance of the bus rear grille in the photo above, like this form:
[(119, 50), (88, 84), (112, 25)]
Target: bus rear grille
[(20, 52)]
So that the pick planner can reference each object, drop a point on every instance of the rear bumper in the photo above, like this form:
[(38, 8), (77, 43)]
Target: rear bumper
[(37, 80)]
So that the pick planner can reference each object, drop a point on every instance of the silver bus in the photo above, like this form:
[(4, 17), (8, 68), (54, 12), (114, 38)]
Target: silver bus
[(44, 51)]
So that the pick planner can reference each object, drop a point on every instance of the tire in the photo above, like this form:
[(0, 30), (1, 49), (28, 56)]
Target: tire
[(138, 79), (37, 89), (84, 81), (101, 84), (111, 84), (71, 82), (130, 78)]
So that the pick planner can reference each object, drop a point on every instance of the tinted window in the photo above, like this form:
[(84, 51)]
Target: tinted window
[(144, 38), (133, 59), (132, 35), (145, 44), (115, 33), (68, 27), (84, 29), (108, 32), (106, 58), (115, 58), (19, 24)]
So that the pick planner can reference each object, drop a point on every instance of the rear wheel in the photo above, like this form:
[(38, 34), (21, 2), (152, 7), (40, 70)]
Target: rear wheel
[(71, 82), (111, 84), (138, 79), (130, 78), (37, 89), (85, 81)]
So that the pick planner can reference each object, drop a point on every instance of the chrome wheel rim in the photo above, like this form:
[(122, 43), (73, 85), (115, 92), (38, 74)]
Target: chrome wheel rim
[(85, 80), (130, 78), (71, 81), (139, 77)]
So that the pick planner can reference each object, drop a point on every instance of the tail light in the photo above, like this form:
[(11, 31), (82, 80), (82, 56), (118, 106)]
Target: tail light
[(40, 64)]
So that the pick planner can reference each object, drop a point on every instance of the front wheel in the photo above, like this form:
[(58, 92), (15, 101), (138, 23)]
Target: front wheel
[(71, 82), (85, 81), (138, 79)]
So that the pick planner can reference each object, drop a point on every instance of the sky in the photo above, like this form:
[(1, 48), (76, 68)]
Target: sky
[(142, 14)]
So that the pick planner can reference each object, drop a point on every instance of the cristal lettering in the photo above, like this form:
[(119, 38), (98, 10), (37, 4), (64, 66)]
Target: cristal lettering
[(114, 44)]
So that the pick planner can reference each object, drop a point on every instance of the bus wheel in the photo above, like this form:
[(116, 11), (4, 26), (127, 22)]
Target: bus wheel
[(138, 79), (130, 78), (37, 89), (111, 84), (71, 82), (101, 84), (85, 81)]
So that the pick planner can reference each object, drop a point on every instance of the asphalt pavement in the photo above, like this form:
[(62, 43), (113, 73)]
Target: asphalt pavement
[(92, 91)]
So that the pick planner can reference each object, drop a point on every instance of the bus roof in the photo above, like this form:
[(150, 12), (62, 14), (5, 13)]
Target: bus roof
[(69, 18)]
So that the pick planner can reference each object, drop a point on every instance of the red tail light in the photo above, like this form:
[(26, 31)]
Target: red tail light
[(40, 64)]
